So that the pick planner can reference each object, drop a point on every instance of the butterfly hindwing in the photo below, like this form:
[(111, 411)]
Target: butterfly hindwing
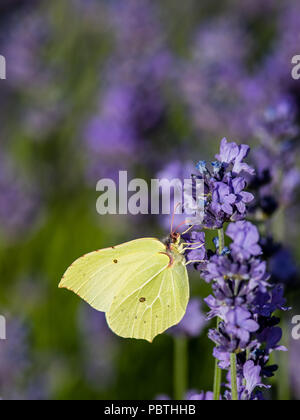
[(150, 304)]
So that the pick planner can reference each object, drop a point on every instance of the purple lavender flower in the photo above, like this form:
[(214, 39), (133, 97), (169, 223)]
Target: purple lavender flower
[(18, 203), (231, 153), (272, 336), (242, 198), (224, 345), (240, 325), (222, 199), (245, 238), (228, 152), (220, 268), (202, 396), (225, 198), (268, 302), (190, 396), (252, 375), (249, 378), (234, 283)]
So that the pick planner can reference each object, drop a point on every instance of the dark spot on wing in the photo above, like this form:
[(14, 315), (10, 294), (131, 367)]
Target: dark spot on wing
[(115, 261), (142, 299)]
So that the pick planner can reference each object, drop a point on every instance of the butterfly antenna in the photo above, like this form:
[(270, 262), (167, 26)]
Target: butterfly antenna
[(185, 222), (173, 216)]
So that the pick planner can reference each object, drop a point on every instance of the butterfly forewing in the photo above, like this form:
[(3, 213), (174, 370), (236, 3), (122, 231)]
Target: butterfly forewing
[(98, 276)]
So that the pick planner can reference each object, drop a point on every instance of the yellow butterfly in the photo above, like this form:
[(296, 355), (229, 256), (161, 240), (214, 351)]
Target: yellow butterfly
[(142, 285)]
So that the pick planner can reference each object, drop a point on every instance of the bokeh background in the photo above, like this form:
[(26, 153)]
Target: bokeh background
[(94, 87)]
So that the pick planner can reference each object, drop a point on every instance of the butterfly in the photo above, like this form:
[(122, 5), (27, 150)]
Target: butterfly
[(141, 285)]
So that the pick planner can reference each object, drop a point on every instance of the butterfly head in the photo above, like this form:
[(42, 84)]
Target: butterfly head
[(174, 248), (172, 242), (175, 238)]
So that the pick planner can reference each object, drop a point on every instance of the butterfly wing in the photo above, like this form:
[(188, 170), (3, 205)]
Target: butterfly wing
[(152, 301), (99, 276)]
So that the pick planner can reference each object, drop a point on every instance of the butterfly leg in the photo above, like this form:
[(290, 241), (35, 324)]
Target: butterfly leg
[(194, 262), (191, 248), (189, 243)]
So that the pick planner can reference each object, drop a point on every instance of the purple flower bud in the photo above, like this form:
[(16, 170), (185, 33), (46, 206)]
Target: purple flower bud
[(252, 377), (245, 238), (240, 325)]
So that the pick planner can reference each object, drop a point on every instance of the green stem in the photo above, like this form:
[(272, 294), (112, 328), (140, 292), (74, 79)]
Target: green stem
[(221, 240), (234, 391), (218, 371), (180, 367), (217, 376)]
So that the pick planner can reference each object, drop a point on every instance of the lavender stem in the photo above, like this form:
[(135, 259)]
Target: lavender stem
[(180, 367), (221, 240), (217, 376), (218, 371), (234, 391)]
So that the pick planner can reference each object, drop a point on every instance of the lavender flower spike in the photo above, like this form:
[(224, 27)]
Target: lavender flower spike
[(242, 297)]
